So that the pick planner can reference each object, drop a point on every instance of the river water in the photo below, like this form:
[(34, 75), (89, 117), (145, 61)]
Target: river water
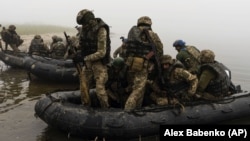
[(18, 96)]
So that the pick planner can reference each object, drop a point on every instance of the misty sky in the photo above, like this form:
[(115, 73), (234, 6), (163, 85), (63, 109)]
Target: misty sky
[(204, 23)]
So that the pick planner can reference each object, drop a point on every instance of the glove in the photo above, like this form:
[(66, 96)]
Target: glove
[(77, 59)]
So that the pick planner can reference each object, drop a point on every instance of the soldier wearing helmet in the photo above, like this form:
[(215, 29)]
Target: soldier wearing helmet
[(10, 37), (38, 47), (188, 55), (54, 40), (121, 51), (141, 48), (94, 43), (214, 82), (179, 83), (58, 49), (117, 85)]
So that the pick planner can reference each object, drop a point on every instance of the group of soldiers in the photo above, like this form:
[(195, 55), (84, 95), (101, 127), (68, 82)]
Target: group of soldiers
[(56, 49), (142, 73)]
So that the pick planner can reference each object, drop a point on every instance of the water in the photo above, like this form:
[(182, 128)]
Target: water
[(18, 96)]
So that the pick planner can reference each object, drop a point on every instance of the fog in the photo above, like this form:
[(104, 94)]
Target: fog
[(222, 25)]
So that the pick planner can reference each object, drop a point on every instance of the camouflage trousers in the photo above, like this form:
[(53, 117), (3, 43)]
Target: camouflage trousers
[(96, 74), (135, 99)]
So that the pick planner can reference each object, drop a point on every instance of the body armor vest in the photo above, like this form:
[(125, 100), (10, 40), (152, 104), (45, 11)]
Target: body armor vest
[(58, 50), (89, 40), (137, 45), (37, 47), (220, 85)]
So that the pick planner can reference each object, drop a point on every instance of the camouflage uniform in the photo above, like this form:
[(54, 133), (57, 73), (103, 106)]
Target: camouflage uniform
[(188, 55), (37, 47), (10, 37), (94, 43), (139, 59), (213, 80), (121, 51), (178, 82), (117, 85), (58, 49), (54, 40)]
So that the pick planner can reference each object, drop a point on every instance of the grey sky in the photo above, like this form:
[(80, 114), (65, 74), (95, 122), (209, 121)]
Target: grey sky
[(204, 23)]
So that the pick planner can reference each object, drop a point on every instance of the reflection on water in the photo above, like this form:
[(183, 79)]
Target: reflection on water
[(16, 87), (13, 90)]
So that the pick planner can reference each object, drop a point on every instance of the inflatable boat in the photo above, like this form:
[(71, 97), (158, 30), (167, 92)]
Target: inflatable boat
[(13, 60), (51, 69), (63, 110), (42, 67)]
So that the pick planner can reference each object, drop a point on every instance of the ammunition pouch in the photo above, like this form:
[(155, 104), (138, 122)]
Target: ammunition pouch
[(137, 64)]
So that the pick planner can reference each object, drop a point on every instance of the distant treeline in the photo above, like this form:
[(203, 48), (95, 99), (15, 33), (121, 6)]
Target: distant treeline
[(27, 29)]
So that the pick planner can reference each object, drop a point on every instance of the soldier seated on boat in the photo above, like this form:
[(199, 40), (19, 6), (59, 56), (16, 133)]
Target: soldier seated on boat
[(38, 47), (58, 49), (178, 83), (214, 82), (188, 55)]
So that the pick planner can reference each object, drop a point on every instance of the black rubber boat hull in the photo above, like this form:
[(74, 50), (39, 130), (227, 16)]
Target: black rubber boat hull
[(58, 110), (42, 67), (52, 69), (12, 60)]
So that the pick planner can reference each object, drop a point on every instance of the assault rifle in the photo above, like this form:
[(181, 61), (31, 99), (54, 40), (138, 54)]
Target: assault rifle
[(155, 54), (84, 88)]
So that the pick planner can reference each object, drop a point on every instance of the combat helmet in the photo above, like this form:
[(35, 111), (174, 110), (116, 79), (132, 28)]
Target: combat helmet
[(166, 59), (207, 56), (37, 37), (84, 16), (118, 63), (144, 20), (12, 27), (179, 43), (54, 37)]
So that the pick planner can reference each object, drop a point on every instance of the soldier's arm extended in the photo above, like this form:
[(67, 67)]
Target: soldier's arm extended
[(117, 51), (183, 74)]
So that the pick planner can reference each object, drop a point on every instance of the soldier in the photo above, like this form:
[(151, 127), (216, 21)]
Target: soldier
[(117, 85), (188, 55), (54, 40), (94, 42), (10, 37), (4, 37), (213, 80), (121, 51), (141, 53), (58, 49), (179, 83), (37, 47), (1, 40)]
